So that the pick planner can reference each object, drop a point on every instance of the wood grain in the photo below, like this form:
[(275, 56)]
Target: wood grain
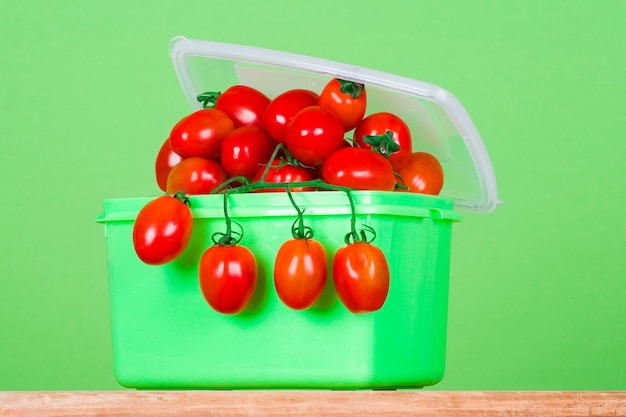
[(313, 403)]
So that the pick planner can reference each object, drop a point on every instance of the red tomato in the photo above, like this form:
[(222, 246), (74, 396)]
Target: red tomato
[(201, 134), (195, 176), (346, 99), (361, 277), (283, 108), (376, 125), (422, 173), (300, 272), (359, 168), (228, 277), (244, 105), (166, 159), (280, 172), (245, 149), (162, 229), (313, 134)]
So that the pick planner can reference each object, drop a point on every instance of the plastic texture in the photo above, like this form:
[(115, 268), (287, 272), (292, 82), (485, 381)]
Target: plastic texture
[(439, 123), (165, 336)]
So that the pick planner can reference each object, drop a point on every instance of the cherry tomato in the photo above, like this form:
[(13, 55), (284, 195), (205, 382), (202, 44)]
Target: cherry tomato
[(195, 176), (282, 172), (313, 134), (200, 134), (162, 229), (378, 124), (244, 105), (283, 108), (228, 277), (245, 149), (359, 168), (166, 159), (300, 272), (346, 99), (422, 173), (361, 277)]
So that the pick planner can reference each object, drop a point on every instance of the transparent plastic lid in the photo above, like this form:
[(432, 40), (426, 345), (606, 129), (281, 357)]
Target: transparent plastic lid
[(439, 124)]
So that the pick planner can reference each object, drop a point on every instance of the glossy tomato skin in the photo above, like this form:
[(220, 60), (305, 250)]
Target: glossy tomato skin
[(300, 272), (228, 277), (349, 109), (200, 133), (195, 176), (283, 108), (361, 277), (422, 173), (360, 169), (166, 159), (245, 149), (313, 134), (280, 172), (243, 104), (377, 124), (162, 230)]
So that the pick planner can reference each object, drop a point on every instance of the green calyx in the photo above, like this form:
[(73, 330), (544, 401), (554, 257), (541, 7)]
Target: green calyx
[(359, 236), (382, 144), (208, 99), (351, 88), (182, 197)]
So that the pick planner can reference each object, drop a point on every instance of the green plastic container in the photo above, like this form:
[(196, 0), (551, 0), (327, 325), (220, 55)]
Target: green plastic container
[(165, 336)]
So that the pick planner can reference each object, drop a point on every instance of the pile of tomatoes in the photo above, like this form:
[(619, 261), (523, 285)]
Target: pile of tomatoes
[(244, 141)]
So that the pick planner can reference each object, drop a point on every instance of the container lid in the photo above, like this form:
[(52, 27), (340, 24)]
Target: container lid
[(438, 122)]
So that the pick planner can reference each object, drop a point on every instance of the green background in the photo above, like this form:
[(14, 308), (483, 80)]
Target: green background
[(538, 288)]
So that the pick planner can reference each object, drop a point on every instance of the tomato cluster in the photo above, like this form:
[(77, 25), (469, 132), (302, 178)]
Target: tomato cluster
[(236, 132), (244, 141)]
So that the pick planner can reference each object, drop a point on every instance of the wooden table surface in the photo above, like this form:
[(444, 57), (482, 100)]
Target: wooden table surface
[(313, 403)]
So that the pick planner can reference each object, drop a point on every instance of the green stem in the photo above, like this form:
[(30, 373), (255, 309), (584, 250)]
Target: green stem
[(399, 185), (227, 239), (223, 187), (298, 229), (182, 197), (269, 163), (208, 99)]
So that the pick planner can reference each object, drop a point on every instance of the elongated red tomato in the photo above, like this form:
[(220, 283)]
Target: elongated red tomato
[(201, 134), (243, 104), (245, 149), (162, 229), (313, 134), (346, 99), (300, 272), (359, 168), (283, 108), (378, 124), (361, 277), (195, 176), (422, 173), (228, 277), (166, 160)]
